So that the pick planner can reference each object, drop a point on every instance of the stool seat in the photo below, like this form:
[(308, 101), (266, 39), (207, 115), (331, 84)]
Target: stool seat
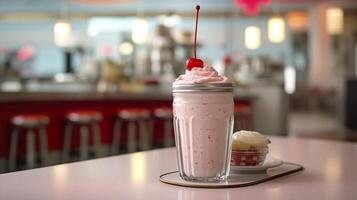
[(133, 113), (165, 113), (30, 120), (84, 116), (243, 109)]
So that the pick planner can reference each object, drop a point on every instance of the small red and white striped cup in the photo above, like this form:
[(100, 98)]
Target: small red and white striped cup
[(251, 157)]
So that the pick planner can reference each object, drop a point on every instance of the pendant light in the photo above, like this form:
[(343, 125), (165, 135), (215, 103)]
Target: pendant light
[(297, 20), (62, 29), (126, 48), (334, 20), (252, 37), (140, 27), (140, 31), (276, 26), (276, 29), (62, 33)]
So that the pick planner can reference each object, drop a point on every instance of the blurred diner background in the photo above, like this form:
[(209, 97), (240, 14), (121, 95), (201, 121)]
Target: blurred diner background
[(82, 79)]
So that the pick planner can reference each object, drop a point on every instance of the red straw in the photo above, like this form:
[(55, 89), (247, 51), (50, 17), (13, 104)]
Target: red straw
[(197, 11)]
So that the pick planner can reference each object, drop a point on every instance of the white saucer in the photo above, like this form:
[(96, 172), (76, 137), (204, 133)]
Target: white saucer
[(268, 163)]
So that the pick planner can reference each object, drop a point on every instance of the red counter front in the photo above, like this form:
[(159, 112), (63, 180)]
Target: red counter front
[(56, 110)]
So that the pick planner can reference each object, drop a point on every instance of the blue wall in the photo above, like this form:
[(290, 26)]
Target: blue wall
[(212, 33)]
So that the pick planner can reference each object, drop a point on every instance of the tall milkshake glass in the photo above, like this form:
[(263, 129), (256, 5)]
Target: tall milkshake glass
[(203, 125), (203, 121)]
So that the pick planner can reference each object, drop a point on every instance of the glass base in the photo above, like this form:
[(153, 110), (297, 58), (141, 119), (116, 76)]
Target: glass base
[(205, 179)]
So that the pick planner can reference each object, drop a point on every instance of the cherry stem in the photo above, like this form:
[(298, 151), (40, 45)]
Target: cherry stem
[(197, 11)]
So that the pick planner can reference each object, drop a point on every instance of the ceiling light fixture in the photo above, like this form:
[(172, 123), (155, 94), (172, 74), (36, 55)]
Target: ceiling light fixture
[(334, 20), (62, 33), (252, 37), (140, 31), (276, 26), (62, 29), (276, 29)]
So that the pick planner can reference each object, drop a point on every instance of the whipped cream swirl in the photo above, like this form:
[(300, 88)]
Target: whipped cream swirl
[(251, 138), (206, 74)]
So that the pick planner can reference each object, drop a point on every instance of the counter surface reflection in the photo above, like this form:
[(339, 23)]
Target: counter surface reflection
[(329, 174)]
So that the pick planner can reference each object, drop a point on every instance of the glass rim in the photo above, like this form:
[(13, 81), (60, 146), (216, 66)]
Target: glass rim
[(202, 87)]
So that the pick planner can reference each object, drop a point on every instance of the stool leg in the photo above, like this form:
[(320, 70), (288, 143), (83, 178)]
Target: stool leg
[(67, 143), (247, 125), (131, 137), (144, 137), (167, 131), (116, 137), (150, 129), (242, 122), (250, 121), (13, 149), (30, 145), (246, 122), (96, 137), (43, 145), (239, 122), (84, 142)]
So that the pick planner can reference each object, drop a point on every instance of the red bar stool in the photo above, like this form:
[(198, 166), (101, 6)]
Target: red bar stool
[(85, 120), (29, 122), (243, 118), (134, 118), (165, 114)]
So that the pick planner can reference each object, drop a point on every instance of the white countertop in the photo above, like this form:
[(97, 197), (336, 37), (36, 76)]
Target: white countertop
[(330, 173)]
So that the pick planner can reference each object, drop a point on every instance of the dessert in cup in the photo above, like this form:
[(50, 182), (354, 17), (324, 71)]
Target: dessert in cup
[(249, 148)]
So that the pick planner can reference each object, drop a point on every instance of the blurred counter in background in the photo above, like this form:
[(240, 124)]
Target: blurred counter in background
[(267, 100)]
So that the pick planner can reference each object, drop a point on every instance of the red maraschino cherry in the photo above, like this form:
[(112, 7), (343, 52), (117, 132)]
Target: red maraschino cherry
[(194, 62)]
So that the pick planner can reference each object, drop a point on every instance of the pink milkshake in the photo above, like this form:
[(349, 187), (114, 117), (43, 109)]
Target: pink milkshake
[(203, 122)]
